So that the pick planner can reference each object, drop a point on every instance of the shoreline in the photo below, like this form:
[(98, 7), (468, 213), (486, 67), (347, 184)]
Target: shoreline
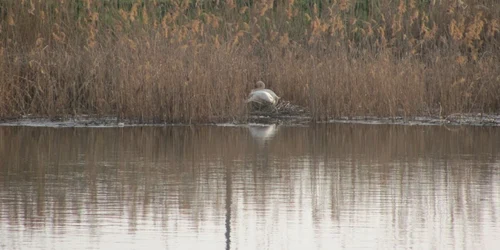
[(86, 121)]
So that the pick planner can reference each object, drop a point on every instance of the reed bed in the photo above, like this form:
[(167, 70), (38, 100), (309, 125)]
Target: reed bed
[(192, 61)]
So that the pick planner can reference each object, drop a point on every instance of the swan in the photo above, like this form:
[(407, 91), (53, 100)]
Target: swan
[(262, 96)]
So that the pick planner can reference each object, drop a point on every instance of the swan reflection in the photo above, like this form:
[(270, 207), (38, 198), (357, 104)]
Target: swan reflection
[(263, 132)]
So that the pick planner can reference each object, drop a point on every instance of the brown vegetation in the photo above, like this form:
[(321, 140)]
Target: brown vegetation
[(192, 61)]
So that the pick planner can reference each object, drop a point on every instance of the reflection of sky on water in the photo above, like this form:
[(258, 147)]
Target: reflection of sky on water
[(166, 188)]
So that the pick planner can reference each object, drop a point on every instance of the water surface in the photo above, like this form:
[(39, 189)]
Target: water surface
[(332, 186)]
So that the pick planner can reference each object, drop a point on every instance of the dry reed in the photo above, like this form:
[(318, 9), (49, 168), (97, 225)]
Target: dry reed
[(192, 61)]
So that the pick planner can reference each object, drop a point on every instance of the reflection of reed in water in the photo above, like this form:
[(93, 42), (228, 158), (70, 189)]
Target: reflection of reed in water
[(229, 202), (330, 178)]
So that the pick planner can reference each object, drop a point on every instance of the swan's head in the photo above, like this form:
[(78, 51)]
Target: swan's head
[(260, 85)]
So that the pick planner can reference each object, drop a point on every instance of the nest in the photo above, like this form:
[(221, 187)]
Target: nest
[(282, 108)]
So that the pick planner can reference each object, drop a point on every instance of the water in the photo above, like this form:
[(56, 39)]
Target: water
[(263, 187)]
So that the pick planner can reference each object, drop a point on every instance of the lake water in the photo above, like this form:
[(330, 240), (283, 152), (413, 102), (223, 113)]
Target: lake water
[(330, 186)]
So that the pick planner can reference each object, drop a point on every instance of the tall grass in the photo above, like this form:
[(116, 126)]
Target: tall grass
[(192, 61)]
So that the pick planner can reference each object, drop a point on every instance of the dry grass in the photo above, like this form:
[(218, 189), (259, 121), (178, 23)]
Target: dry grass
[(192, 61)]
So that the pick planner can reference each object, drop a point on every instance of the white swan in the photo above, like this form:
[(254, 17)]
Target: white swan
[(262, 96)]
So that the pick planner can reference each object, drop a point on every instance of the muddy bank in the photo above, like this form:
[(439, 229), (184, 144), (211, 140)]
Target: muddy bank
[(290, 114), (262, 118), (452, 120)]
